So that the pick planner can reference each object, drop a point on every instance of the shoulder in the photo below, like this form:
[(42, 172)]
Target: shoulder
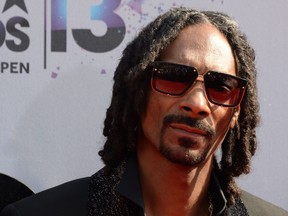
[(257, 206), (12, 190), (67, 199)]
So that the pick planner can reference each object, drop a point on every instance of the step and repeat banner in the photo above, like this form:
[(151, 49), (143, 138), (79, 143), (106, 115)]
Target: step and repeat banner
[(57, 59)]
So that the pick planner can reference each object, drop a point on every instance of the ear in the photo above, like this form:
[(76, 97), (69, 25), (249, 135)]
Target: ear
[(234, 119)]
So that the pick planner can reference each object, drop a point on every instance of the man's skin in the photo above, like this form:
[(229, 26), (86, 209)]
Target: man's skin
[(176, 183)]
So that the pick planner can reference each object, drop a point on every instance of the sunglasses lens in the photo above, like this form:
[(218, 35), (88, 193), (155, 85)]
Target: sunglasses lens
[(173, 79), (224, 89)]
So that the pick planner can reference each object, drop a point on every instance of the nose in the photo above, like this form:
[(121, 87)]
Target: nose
[(195, 103)]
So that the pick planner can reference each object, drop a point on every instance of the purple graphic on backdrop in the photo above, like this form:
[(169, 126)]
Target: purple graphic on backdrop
[(59, 14), (104, 12), (59, 25), (54, 75), (136, 5)]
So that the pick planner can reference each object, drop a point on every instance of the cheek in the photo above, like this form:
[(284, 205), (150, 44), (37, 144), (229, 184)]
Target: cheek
[(222, 121), (152, 120), (158, 106)]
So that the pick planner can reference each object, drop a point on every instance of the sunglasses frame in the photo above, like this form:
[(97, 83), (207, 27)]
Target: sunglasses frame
[(242, 83)]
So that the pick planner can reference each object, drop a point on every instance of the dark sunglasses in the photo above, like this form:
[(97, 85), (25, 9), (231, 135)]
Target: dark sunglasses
[(175, 79)]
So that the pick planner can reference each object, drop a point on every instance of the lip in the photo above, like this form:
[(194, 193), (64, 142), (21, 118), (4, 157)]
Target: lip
[(186, 129)]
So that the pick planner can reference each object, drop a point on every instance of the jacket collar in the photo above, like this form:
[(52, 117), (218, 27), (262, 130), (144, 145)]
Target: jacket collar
[(130, 187)]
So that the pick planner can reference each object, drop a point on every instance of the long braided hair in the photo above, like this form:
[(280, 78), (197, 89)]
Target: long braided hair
[(132, 85)]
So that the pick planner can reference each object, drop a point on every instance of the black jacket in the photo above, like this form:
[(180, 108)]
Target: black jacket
[(118, 195), (12, 190)]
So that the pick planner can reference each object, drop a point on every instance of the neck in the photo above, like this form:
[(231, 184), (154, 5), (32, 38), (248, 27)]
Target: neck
[(173, 189)]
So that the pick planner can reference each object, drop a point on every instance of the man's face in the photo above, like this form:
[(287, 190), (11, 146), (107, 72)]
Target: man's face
[(188, 129)]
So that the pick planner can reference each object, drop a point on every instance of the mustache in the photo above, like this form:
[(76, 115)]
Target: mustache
[(200, 124)]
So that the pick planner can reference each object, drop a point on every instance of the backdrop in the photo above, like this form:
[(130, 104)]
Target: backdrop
[(57, 62)]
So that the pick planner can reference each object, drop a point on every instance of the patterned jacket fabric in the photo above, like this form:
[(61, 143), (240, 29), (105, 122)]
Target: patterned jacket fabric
[(105, 199)]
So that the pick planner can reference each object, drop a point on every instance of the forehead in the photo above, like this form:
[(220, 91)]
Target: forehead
[(202, 46)]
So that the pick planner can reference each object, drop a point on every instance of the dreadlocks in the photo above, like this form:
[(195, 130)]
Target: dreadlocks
[(132, 85)]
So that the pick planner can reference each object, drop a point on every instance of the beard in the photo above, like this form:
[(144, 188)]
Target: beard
[(183, 153)]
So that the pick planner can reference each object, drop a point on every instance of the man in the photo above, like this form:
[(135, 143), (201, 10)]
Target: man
[(183, 88)]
